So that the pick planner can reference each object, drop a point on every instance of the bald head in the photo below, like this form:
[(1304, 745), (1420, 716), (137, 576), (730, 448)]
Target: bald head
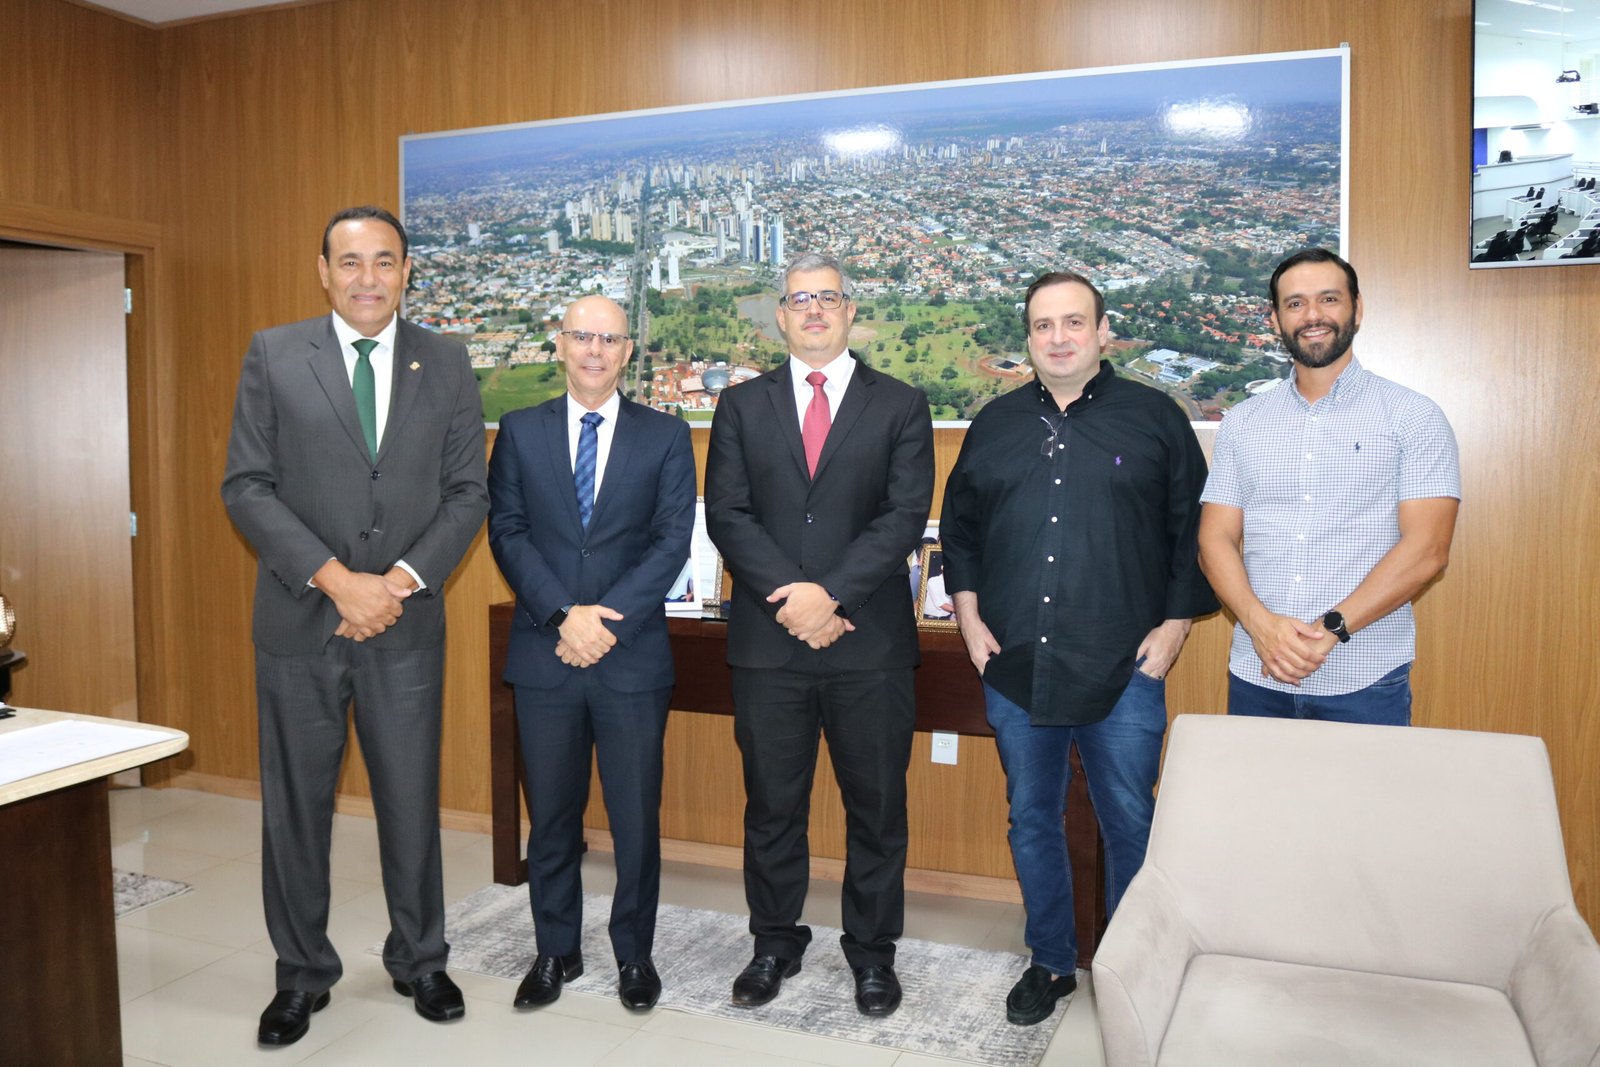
[(595, 348)]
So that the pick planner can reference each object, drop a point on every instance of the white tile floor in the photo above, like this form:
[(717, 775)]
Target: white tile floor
[(196, 971)]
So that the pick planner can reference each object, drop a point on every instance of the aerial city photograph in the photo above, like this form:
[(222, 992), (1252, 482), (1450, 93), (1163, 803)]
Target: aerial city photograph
[(1174, 188)]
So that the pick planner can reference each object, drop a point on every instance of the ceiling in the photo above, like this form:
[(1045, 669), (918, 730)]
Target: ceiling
[(158, 12)]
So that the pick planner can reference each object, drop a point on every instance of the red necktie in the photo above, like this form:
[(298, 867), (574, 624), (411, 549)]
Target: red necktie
[(814, 430)]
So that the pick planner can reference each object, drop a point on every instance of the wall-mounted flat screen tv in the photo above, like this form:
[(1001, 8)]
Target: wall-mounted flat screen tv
[(1536, 133)]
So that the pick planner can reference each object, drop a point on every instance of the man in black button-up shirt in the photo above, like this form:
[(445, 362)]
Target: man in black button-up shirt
[(1068, 531)]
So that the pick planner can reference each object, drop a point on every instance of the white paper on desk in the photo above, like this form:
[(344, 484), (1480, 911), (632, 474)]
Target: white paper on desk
[(54, 745)]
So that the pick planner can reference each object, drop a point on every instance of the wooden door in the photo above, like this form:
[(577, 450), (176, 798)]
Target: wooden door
[(65, 557)]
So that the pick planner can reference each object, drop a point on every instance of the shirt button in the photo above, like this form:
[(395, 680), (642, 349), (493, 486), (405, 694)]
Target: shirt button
[(1044, 640), (1058, 481), (1297, 577), (1047, 600), (809, 519), (1307, 497), (363, 535), (1299, 537), (1308, 455), (1052, 518), (1049, 559)]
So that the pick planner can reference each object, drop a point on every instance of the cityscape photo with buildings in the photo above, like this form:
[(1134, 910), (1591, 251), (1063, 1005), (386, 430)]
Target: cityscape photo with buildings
[(1176, 189)]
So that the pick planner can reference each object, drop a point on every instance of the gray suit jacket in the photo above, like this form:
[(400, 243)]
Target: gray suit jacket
[(302, 489)]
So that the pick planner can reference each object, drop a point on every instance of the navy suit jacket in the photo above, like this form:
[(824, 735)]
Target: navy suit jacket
[(849, 529), (628, 558)]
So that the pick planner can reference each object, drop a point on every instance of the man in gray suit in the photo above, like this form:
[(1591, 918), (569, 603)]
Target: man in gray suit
[(356, 472)]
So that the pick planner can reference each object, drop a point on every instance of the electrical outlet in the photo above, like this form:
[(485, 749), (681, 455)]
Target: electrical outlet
[(944, 748)]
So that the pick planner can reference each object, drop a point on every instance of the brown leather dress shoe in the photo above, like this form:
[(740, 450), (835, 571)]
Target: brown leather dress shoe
[(435, 996), (288, 1017)]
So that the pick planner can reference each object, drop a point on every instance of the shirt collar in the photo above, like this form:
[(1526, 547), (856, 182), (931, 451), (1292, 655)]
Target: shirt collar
[(837, 370), (1090, 388), (348, 334), (1348, 382), (608, 410)]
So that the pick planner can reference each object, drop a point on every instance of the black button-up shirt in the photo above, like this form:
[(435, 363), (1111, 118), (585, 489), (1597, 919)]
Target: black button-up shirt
[(1077, 530)]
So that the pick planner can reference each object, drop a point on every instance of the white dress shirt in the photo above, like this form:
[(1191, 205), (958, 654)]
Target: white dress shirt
[(838, 371), (382, 359), (604, 432)]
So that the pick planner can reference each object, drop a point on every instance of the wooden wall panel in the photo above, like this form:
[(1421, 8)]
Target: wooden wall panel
[(276, 118), (78, 125)]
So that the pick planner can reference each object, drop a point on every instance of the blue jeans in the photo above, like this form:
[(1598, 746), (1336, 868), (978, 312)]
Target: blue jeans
[(1121, 755), (1386, 702)]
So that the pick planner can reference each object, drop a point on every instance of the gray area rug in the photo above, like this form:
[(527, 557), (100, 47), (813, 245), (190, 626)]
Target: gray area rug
[(954, 997), (132, 891)]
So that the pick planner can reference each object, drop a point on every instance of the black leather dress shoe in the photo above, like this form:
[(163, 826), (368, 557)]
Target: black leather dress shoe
[(288, 1017), (436, 997), (1034, 996), (638, 985), (545, 978), (761, 979), (877, 990)]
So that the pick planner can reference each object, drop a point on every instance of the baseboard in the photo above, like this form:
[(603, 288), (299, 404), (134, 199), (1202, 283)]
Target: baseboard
[(731, 857)]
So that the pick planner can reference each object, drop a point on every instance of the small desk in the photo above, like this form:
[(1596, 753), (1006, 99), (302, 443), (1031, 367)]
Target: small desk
[(949, 698), (58, 976)]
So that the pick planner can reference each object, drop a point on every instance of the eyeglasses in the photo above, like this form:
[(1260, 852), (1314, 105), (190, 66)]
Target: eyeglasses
[(607, 340), (828, 299), (1049, 448)]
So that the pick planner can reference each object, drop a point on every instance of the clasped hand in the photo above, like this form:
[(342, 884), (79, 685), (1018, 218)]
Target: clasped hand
[(368, 604), (1290, 650), (584, 636), (808, 613)]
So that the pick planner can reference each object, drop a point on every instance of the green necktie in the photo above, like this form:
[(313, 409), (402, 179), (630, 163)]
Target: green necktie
[(366, 389)]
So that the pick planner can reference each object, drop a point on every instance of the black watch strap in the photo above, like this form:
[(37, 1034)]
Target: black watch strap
[(1333, 622), (560, 616)]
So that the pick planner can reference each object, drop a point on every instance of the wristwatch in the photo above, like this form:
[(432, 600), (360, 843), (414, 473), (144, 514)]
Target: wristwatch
[(1333, 622), (560, 616)]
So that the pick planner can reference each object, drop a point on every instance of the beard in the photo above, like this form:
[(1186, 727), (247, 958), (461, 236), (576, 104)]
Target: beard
[(1337, 346)]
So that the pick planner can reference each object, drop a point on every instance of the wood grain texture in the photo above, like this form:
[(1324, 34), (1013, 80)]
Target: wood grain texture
[(65, 560), (267, 122)]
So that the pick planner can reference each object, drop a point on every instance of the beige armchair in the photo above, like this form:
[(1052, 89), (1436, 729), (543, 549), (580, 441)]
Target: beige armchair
[(1360, 896)]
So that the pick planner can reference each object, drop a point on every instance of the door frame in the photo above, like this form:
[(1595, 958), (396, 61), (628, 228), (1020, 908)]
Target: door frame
[(139, 242)]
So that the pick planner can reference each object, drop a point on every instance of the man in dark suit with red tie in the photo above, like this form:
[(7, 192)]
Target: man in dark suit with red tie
[(591, 511), (818, 484)]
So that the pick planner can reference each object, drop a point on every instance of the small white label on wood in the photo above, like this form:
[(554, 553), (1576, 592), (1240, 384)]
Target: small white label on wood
[(944, 748)]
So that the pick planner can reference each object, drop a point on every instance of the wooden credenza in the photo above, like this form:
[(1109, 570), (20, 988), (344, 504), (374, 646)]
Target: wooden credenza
[(949, 698)]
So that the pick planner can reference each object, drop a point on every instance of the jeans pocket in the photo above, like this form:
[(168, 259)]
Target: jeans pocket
[(1394, 679)]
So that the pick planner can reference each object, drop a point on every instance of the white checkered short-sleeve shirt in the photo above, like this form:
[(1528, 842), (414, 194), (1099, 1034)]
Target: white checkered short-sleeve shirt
[(1320, 486)]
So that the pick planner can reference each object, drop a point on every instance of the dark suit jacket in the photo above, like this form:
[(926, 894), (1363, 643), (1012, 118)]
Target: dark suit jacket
[(849, 530), (302, 488), (633, 550)]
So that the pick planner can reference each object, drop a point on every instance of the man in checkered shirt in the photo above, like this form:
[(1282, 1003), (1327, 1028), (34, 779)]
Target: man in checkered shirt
[(1331, 503)]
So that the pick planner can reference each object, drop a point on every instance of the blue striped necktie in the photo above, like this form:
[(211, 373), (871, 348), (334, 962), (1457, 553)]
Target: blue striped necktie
[(588, 457)]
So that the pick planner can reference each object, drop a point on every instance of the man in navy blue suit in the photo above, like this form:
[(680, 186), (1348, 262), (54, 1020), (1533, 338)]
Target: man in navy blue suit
[(591, 508)]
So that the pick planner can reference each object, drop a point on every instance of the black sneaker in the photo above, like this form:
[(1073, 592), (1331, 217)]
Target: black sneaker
[(1034, 996)]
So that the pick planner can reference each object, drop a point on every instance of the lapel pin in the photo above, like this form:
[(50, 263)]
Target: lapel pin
[(415, 365)]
